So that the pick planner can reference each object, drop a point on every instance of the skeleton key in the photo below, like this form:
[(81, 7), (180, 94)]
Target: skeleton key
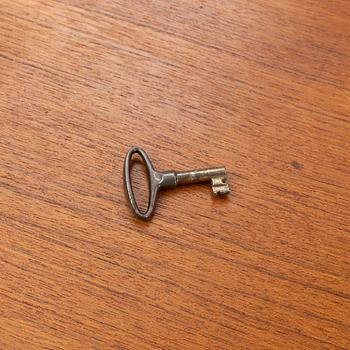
[(162, 180)]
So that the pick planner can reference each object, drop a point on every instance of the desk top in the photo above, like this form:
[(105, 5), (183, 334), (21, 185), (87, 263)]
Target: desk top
[(261, 87)]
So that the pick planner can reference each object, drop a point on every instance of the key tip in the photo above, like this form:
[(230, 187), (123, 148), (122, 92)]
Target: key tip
[(220, 187)]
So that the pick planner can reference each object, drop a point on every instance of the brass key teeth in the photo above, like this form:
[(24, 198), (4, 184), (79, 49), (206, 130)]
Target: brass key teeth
[(219, 186)]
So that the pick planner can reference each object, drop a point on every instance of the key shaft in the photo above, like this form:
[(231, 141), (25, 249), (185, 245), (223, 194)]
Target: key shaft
[(200, 175)]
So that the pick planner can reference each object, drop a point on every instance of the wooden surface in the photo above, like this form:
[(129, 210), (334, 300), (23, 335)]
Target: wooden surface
[(262, 87)]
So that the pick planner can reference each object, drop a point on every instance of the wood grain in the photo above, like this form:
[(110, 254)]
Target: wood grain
[(262, 87)]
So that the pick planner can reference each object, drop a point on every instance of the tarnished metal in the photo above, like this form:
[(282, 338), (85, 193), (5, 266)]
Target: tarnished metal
[(169, 179)]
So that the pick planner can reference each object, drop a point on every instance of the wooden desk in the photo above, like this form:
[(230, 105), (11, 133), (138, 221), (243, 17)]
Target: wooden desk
[(259, 86)]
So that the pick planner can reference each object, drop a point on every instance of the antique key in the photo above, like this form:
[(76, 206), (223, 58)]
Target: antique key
[(162, 180)]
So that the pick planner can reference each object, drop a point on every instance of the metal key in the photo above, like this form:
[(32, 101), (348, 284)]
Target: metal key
[(162, 180)]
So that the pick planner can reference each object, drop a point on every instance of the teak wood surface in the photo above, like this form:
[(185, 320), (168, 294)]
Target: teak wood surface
[(262, 87)]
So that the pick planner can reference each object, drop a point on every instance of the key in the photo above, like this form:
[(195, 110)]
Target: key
[(162, 180)]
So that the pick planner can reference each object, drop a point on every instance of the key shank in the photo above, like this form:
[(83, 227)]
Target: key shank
[(200, 175)]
